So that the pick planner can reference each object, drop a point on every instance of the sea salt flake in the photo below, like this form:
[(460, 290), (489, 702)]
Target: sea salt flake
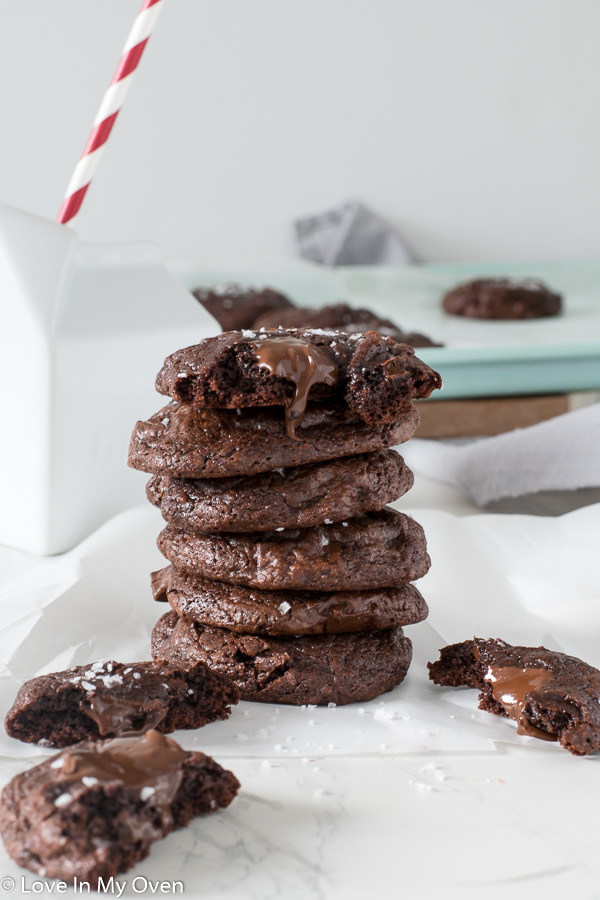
[(109, 680), (284, 607), (146, 792), (137, 675), (63, 800), (489, 675), (89, 780), (127, 670), (331, 705), (328, 521), (88, 686)]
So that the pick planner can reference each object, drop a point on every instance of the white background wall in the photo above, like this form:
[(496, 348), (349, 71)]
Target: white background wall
[(472, 125)]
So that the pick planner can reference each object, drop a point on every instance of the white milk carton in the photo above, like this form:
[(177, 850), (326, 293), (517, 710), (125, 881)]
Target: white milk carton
[(84, 329)]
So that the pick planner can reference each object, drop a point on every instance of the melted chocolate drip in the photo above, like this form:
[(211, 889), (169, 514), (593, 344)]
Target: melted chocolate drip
[(510, 686), (152, 763), (123, 715), (298, 362), (153, 760)]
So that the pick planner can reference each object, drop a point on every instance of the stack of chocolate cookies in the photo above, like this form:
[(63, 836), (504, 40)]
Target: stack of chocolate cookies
[(288, 573)]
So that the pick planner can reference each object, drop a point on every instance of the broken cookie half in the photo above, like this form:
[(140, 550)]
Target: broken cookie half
[(550, 695)]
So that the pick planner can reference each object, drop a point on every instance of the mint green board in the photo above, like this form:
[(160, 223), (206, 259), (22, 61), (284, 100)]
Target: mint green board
[(479, 358)]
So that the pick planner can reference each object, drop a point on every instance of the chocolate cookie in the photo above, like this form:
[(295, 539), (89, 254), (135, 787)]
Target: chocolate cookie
[(95, 809), (502, 298), (343, 668), (375, 377), (236, 306), (285, 498), (339, 317), (251, 611), (107, 699), (183, 441), (382, 549), (551, 696)]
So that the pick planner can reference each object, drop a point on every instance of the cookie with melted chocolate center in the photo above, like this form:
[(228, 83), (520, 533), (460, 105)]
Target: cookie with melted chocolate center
[(107, 699), (374, 376), (95, 809), (551, 695), (340, 668)]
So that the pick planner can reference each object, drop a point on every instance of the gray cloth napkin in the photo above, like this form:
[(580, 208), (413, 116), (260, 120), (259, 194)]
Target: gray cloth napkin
[(351, 235), (561, 454)]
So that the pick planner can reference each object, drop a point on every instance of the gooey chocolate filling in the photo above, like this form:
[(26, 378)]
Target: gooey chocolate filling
[(510, 688), (298, 362)]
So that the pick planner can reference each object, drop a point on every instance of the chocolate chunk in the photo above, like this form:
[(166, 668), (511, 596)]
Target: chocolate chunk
[(376, 377), (183, 441), (106, 699), (252, 611), (94, 809), (551, 696), (502, 298), (237, 306), (341, 668), (383, 549), (285, 498), (341, 318)]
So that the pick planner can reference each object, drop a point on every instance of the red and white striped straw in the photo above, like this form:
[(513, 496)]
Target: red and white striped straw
[(109, 109)]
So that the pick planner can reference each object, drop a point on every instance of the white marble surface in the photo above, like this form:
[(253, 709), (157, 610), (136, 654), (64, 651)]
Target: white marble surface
[(336, 821), (518, 822)]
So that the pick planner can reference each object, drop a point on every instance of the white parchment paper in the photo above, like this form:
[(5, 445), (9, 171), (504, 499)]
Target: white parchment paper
[(528, 580)]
